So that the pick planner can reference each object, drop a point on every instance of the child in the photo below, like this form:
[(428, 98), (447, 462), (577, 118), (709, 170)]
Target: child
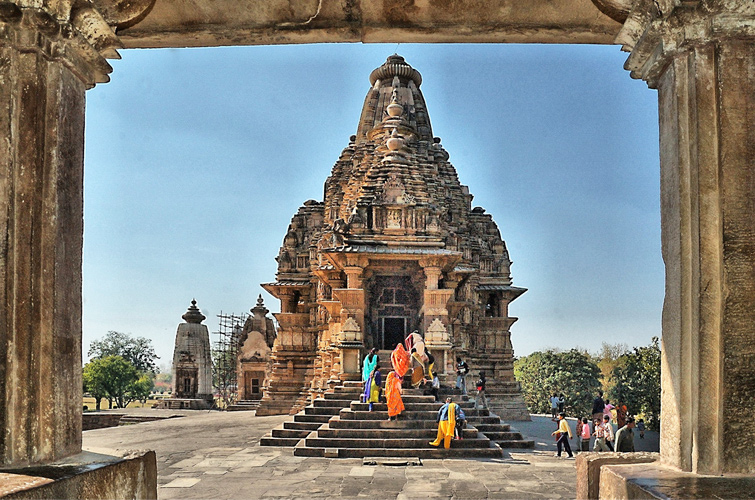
[(641, 428), (584, 435)]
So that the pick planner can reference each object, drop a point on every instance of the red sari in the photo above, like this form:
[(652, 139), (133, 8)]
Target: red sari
[(393, 394)]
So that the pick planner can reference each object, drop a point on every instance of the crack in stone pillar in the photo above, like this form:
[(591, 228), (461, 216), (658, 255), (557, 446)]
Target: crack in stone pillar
[(701, 58)]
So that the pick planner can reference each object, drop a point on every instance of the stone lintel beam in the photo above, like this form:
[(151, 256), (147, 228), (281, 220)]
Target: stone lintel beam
[(701, 58), (194, 23)]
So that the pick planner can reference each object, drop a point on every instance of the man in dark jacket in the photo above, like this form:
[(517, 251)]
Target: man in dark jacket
[(625, 437), (597, 409)]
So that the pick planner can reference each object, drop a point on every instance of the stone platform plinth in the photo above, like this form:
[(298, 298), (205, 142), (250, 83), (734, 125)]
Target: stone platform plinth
[(85, 476), (184, 404), (655, 481)]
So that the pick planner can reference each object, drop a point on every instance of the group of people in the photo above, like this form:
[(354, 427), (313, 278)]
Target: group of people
[(414, 355), (602, 429)]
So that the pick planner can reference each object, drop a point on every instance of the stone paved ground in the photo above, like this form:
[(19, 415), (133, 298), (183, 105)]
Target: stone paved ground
[(217, 455)]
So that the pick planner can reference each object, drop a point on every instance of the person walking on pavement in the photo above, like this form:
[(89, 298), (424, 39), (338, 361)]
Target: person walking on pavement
[(462, 368), (625, 437), (481, 393), (603, 432), (563, 435)]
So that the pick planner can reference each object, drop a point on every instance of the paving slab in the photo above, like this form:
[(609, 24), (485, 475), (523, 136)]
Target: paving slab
[(217, 455)]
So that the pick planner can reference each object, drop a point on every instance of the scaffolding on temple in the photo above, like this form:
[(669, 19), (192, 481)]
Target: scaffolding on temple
[(225, 357)]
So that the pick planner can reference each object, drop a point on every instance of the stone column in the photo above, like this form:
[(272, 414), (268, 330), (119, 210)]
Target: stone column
[(701, 58), (49, 56)]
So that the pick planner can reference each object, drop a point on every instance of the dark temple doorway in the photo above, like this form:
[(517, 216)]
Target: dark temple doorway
[(394, 331)]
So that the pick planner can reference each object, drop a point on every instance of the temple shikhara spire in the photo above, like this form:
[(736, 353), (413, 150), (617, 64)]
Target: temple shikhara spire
[(395, 247)]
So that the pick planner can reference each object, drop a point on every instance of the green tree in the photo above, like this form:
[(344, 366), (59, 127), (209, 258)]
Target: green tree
[(113, 376), (573, 373), (637, 382), (138, 351), (141, 388)]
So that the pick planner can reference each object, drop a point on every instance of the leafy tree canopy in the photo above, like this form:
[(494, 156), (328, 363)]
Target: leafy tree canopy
[(573, 373), (138, 351), (116, 379), (637, 382)]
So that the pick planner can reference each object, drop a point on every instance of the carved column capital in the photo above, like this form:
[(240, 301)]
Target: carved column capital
[(656, 31), (79, 34)]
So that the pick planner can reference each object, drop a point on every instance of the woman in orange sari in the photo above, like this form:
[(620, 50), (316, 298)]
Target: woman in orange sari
[(393, 395), (400, 360)]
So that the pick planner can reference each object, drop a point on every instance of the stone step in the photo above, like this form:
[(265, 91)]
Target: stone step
[(311, 418), (278, 441), (429, 433), (410, 405), (414, 443), (429, 452), (492, 427), (348, 414), (322, 410), (338, 423), (341, 396), (290, 433), (331, 403), (302, 426), (502, 435), (515, 443)]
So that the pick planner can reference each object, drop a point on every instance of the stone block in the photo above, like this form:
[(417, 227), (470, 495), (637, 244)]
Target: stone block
[(651, 480), (85, 476), (589, 467)]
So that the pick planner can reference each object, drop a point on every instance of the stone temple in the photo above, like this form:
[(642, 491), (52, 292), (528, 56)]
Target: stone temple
[(192, 363), (395, 246)]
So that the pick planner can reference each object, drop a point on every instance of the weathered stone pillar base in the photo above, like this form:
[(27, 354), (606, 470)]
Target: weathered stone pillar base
[(589, 466), (642, 481), (85, 476)]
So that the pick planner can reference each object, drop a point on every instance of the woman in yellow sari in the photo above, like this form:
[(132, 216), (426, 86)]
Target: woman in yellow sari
[(446, 423), (393, 395)]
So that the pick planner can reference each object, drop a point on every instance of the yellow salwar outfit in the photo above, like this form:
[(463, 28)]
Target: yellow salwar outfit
[(446, 427)]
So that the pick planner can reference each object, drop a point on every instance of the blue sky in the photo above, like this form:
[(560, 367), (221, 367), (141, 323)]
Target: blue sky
[(196, 159)]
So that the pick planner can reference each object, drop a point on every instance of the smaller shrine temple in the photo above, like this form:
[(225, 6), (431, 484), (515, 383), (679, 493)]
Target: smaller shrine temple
[(192, 364), (255, 343)]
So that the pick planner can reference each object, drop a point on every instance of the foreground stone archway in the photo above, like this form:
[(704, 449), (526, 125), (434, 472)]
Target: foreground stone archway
[(699, 55)]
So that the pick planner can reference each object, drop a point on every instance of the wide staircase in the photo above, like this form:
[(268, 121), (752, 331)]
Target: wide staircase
[(339, 425), (313, 416)]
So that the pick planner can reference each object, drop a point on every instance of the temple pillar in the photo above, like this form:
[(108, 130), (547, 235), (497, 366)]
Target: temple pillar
[(46, 66), (50, 54), (701, 58)]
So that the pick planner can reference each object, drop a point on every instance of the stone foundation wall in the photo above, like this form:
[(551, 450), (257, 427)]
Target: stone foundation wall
[(100, 420)]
